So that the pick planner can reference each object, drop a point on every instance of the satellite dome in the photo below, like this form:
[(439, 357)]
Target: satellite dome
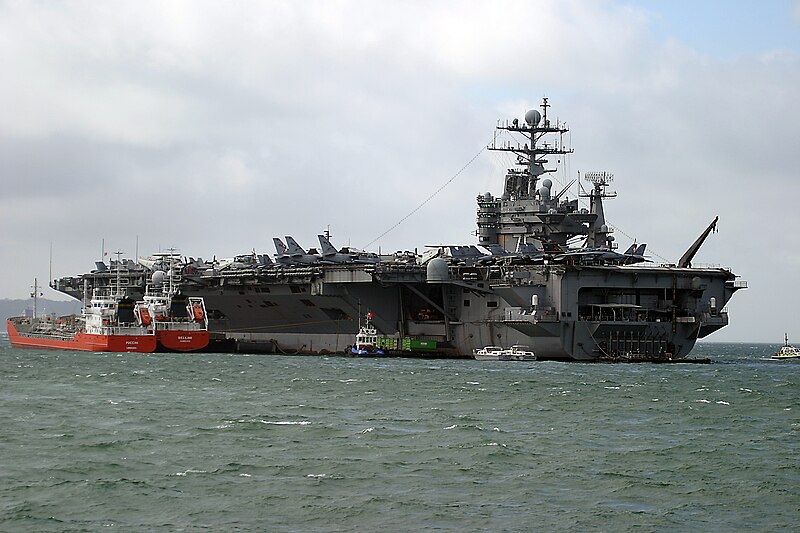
[(437, 270), (158, 277), (547, 182), (533, 117), (544, 192)]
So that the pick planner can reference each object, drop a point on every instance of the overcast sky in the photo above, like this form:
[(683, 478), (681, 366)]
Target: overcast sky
[(212, 127)]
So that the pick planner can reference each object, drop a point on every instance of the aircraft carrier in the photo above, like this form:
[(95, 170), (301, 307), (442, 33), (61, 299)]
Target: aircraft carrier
[(545, 273)]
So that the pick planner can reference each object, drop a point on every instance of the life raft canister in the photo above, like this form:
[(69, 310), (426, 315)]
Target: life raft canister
[(144, 314), (197, 310)]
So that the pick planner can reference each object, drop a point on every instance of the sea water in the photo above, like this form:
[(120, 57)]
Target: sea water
[(233, 442)]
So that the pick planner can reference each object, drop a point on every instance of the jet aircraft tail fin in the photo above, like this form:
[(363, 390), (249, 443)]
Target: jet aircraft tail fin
[(326, 246), (279, 246), (293, 247)]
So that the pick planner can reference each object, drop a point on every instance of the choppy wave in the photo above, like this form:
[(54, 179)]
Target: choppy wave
[(227, 442)]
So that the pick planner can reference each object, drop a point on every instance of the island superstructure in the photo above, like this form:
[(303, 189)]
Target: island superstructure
[(545, 273)]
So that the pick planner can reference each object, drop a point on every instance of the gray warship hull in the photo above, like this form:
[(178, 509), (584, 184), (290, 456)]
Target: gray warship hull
[(582, 312), (534, 287)]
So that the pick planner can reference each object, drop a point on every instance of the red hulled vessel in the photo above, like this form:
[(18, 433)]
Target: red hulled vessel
[(107, 324), (180, 322)]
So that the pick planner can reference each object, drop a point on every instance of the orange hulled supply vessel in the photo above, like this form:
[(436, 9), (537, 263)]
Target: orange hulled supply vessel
[(180, 322), (108, 323)]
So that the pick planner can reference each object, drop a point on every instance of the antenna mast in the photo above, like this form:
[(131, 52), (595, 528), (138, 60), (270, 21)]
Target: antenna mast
[(119, 254)]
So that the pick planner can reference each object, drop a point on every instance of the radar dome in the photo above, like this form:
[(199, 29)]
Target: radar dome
[(533, 117), (158, 277), (547, 182), (437, 270), (544, 192)]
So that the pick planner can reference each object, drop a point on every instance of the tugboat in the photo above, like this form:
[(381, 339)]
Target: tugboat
[(180, 322), (107, 324), (366, 340), (787, 351)]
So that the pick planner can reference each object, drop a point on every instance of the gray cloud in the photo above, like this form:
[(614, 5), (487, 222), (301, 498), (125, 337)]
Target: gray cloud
[(212, 127)]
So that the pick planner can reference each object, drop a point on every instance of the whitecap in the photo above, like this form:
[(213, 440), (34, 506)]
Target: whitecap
[(215, 379), (245, 475), (473, 382), (703, 401), (495, 429), (654, 400), (368, 430), (613, 388), (454, 426), (317, 476), (191, 471), (722, 402), (286, 422)]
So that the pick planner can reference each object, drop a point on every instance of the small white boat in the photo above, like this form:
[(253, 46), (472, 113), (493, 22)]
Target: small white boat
[(787, 351), (517, 352), (487, 353)]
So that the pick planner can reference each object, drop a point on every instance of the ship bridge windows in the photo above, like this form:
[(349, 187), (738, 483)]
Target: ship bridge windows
[(307, 302)]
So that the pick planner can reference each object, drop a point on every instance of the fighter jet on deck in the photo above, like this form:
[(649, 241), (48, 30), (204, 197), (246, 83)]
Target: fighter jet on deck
[(292, 254)]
